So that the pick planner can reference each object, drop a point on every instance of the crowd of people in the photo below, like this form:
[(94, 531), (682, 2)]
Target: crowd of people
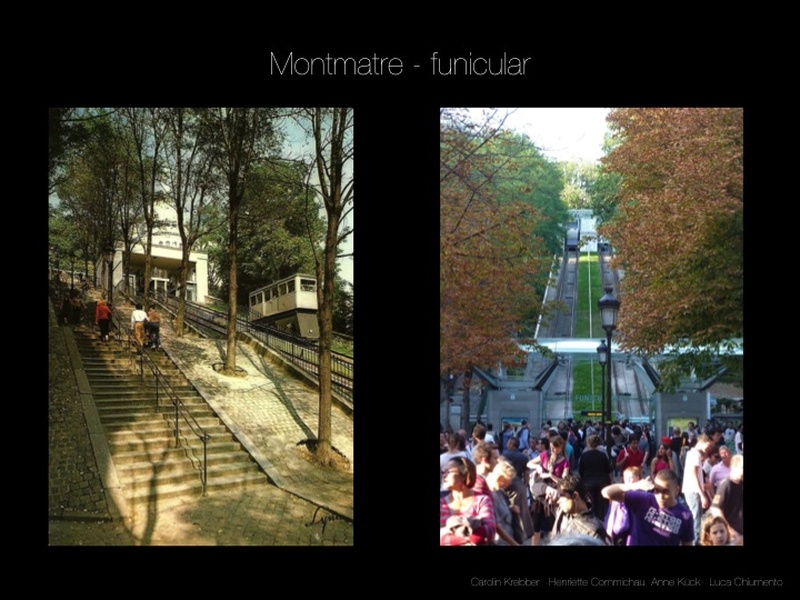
[(522, 487)]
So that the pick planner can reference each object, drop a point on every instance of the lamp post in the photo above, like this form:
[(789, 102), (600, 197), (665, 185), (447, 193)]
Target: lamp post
[(602, 358), (110, 259), (609, 311)]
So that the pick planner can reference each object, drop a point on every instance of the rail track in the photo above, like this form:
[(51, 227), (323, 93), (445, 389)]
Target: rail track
[(561, 320), (630, 400)]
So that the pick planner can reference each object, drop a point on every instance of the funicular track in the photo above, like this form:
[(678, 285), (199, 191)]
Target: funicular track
[(629, 398), (562, 318), (300, 352)]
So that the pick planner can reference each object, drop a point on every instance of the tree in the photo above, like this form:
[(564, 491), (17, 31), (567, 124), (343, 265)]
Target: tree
[(67, 133), (147, 131), (523, 174), (604, 195), (96, 186), (191, 186), (332, 132), (273, 229), (128, 206), (488, 246), (242, 138), (579, 177), (343, 307), (63, 237), (678, 228)]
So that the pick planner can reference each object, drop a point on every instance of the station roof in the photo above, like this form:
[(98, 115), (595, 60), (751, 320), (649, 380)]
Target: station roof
[(589, 346), (572, 345)]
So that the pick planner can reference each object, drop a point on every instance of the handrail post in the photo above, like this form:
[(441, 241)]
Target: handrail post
[(206, 437), (177, 422)]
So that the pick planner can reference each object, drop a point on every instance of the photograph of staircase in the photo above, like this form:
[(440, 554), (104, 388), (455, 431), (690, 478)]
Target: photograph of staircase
[(139, 419)]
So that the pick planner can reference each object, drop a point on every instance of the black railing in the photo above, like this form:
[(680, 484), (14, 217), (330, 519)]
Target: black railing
[(182, 412), (305, 354), (123, 336)]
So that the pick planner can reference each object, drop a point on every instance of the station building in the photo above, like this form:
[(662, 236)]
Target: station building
[(166, 252)]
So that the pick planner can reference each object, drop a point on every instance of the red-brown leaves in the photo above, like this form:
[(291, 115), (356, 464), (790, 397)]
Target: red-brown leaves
[(678, 228)]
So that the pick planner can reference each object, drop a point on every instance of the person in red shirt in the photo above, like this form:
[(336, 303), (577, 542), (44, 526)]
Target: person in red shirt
[(102, 317), (631, 456)]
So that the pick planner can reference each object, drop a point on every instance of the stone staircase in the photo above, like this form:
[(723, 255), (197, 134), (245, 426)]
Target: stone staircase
[(139, 427)]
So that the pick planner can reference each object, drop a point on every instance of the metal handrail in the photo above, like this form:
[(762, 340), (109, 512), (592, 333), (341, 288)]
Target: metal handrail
[(181, 410), (306, 355)]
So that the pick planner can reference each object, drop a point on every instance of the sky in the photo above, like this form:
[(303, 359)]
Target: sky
[(562, 134)]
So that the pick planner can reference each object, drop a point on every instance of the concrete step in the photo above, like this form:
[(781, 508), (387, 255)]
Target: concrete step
[(116, 415), (137, 417), (156, 430), (169, 494), (154, 445), (155, 421), (180, 464), (121, 412), (148, 489), (189, 396), (128, 376), (139, 457), (183, 472)]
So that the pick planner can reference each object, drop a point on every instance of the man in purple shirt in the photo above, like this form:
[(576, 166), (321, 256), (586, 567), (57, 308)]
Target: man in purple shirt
[(657, 518)]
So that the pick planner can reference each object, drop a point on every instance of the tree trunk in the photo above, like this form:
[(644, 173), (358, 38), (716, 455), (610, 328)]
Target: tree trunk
[(465, 402), (324, 451), (184, 275), (230, 358), (148, 265)]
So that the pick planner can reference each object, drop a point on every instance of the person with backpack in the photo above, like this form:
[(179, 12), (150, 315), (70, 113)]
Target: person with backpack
[(524, 434), (154, 327)]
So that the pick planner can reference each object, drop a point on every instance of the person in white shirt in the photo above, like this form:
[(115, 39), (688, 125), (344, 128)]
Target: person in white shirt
[(693, 487), (489, 434), (728, 435), (138, 319), (738, 440)]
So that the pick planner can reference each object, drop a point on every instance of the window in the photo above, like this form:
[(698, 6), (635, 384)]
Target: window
[(307, 285)]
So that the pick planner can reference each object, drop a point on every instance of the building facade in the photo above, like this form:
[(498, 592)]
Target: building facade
[(166, 252)]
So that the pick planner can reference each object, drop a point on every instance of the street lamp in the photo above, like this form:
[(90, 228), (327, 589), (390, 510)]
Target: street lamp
[(110, 260), (602, 358), (609, 311)]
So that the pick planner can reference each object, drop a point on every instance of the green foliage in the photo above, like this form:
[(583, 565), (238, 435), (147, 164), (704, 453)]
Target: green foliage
[(525, 175), (274, 223), (343, 307), (604, 195), (574, 197), (63, 238), (578, 178), (67, 134)]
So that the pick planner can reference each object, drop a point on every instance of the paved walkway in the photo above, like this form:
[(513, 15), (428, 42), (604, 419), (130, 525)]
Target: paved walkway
[(271, 412)]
